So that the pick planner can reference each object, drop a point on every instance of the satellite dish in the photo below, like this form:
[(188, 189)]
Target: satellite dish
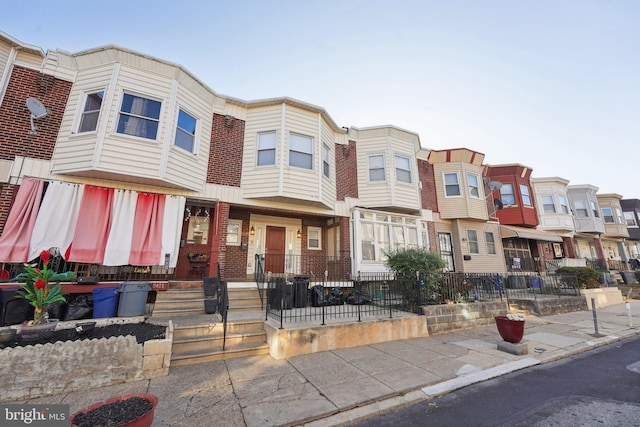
[(38, 110), (498, 204), (494, 185)]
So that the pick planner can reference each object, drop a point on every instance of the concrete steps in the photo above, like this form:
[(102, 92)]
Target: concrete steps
[(199, 337)]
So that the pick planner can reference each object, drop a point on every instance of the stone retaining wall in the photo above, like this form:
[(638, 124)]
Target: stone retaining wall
[(450, 317), (40, 370)]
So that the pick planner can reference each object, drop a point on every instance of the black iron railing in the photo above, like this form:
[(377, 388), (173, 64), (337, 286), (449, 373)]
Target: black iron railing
[(328, 267)]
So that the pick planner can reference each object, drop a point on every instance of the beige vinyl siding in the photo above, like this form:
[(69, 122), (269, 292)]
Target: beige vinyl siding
[(404, 195), (264, 180), (28, 60), (187, 169), (482, 262), (5, 52), (300, 183), (76, 151), (462, 206), (327, 185), (118, 150), (374, 194)]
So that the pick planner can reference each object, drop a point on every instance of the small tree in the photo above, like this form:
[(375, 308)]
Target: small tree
[(587, 276), (413, 264)]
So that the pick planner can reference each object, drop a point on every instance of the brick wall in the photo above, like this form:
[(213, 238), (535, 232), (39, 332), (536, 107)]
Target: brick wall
[(225, 154), (235, 256), (428, 191), (7, 194), (346, 171), (15, 138)]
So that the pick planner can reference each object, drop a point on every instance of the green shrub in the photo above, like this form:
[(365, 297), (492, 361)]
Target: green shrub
[(407, 262), (587, 276), (637, 273)]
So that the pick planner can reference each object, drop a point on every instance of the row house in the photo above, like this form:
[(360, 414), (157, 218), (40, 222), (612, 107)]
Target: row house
[(124, 161), (631, 214)]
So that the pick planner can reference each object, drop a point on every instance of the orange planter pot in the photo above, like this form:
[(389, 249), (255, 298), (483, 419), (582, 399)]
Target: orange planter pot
[(510, 330), (145, 420)]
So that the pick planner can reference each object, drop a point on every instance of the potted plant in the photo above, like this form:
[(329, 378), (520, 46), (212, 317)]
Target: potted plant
[(39, 288), (511, 327), (132, 410)]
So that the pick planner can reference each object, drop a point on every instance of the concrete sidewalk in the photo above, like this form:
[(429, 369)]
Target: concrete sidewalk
[(340, 386)]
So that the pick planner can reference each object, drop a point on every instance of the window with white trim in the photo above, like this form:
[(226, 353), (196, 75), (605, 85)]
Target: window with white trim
[(234, 232), (607, 215), (326, 165), (472, 237), (564, 206), (380, 233), (526, 197), (186, 131), (376, 168), (91, 112), (548, 205), (300, 151), (594, 208), (491, 243), (474, 187), (403, 169), (139, 116), (581, 209), (266, 154), (619, 216), (314, 238), (630, 219), (506, 194), (451, 184)]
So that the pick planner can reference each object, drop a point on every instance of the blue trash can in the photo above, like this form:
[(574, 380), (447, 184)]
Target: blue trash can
[(133, 298), (105, 302)]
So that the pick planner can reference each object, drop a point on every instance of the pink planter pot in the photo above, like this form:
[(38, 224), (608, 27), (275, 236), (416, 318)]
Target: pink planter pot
[(143, 421), (510, 330)]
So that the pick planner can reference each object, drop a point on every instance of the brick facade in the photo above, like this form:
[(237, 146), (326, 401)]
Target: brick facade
[(15, 126), (346, 171), (428, 190), (225, 154), (7, 195), (236, 256)]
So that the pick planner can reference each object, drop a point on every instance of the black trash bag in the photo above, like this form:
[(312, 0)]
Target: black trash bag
[(357, 299), (81, 307), (335, 297), (57, 310), (318, 298)]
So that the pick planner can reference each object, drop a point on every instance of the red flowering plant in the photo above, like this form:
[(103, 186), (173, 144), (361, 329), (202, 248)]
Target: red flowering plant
[(39, 288)]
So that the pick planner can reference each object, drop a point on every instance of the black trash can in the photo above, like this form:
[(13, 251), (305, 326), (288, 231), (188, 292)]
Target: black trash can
[(280, 294), (300, 291), (210, 286)]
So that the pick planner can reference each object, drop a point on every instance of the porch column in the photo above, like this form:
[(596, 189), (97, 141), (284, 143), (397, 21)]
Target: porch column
[(569, 247), (599, 250)]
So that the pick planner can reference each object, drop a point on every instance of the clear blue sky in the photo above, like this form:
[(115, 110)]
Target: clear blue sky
[(554, 85)]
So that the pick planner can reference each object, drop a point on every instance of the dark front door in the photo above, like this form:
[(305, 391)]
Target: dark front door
[(274, 249)]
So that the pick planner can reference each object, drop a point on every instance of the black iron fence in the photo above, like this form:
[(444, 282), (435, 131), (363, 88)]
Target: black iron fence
[(326, 267), (295, 299)]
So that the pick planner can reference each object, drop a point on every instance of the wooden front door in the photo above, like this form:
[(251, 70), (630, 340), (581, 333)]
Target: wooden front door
[(274, 249)]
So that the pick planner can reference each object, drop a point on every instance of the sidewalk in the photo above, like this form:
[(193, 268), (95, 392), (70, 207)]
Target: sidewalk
[(337, 387)]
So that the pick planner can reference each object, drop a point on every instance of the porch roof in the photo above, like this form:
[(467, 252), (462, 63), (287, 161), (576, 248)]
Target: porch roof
[(528, 233)]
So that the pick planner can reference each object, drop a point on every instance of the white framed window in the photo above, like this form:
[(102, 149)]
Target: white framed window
[(300, 151), (326, 164), (548, 205), (186, 131), (607, 215), (139, 116), (619, 216), (581, 209), (451, 184), (380, 233), (472, 237), (526, 197), (564, 206), (234, 232), (491, 243), (314, 238), (91, 112), (594, 208), (403, 169), (474, 187), (630, 219), (376, 168), (266, 154), (506, 194)]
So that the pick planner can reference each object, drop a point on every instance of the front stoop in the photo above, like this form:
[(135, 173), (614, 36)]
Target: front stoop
[(199, 337)]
